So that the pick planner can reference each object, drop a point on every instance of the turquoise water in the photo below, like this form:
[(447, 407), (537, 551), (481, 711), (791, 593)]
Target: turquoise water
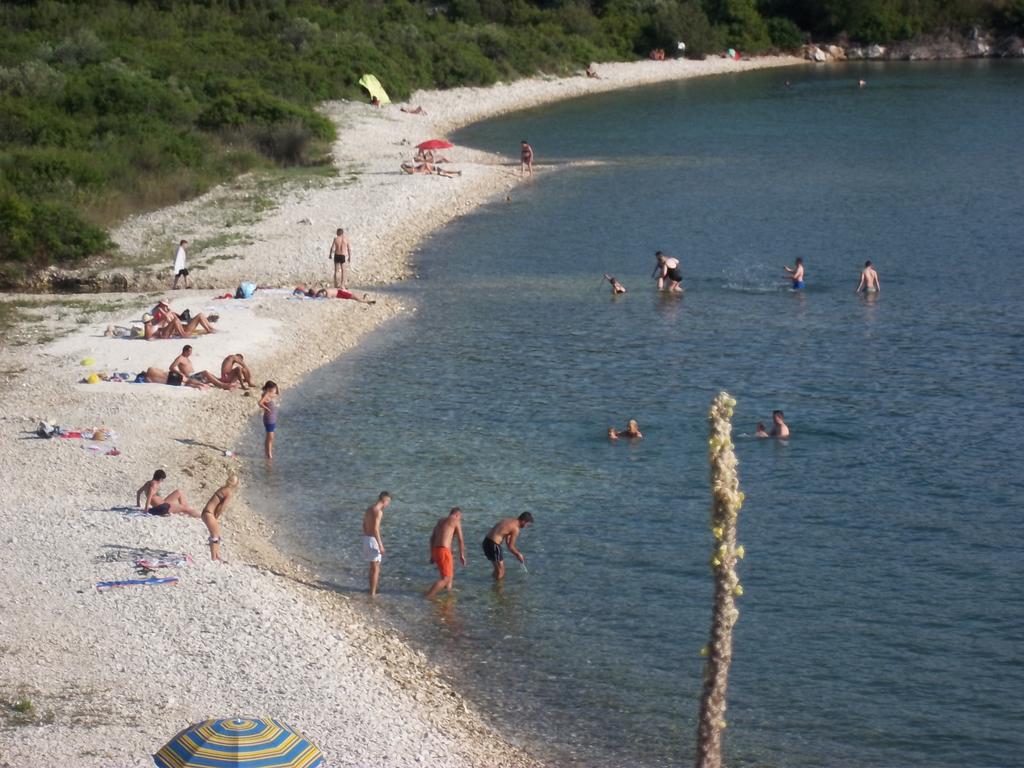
[(882, 622)]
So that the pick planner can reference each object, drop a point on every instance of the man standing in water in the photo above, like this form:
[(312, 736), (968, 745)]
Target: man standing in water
[(341, 252), (373, 546), (869, 280), (525, 158), (506, 531), (797, 273), (441, 550)]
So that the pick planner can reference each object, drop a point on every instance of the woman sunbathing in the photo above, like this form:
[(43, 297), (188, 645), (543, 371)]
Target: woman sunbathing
[(172, 327), (428, 168)]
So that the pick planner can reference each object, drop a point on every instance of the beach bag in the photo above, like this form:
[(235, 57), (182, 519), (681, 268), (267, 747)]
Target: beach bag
[(185, 317), (245, 290)]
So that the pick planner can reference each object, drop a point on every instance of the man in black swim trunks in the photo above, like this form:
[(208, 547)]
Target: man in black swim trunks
[(506, 531), (341, 252), (172, 503)]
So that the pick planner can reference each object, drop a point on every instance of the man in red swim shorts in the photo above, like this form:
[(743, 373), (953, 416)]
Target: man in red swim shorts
[(441, 549)]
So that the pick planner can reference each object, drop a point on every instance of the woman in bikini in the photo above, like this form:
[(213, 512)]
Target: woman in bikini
[(214, 509)]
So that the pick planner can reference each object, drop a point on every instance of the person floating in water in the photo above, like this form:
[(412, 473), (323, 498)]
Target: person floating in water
[(869, 280), (505, 531), (667, 268), (617, 287), (761, 431), (779, 428), (796, 272), (632, 430)]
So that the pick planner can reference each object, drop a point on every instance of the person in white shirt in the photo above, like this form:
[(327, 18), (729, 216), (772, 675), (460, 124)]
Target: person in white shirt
[(180, 270)]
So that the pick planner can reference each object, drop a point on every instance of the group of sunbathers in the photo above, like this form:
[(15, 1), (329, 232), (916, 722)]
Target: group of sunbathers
[(427, 162), (162, 323), (149, 499), (233, 373)]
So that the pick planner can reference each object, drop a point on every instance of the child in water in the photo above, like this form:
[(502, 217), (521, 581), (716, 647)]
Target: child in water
[(269, 403)]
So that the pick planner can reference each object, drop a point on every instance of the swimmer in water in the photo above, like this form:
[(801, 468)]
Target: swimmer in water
[(617, 287), (779, 428), (632, 430), (869, 280), (797, 274), (761, 431)]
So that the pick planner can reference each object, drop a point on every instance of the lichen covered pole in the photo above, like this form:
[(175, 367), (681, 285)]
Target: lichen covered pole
[(725, 506)]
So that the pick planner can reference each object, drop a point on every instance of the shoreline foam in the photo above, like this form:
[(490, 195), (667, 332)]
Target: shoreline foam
[(112, 676)]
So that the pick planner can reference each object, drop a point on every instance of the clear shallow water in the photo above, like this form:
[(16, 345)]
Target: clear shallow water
[(882, 621)]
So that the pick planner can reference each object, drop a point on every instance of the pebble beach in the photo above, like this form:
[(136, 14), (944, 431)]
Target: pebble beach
[(111, 676)]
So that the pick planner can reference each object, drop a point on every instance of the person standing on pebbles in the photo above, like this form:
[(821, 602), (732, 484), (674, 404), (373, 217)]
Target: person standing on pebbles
[(180, 270), (373, 545), (269, 403), (341, 252), (214, 509)]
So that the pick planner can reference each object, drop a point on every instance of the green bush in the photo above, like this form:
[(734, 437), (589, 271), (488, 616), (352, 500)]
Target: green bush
[(784, 34)]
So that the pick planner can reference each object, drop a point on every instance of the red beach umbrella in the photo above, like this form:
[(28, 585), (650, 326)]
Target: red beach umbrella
[(435, 144)]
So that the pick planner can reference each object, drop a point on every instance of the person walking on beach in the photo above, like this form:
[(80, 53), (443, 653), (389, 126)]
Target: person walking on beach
[(667, 268), (172, 504), (441, 550), (180, 270), (505, 531), (373, 545), (269, 403), (796, 272), (525, 158), (869, 280), (214, 509), (341, 252), (779, 428)]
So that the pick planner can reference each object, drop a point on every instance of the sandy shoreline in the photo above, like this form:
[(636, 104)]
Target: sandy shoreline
[(112, 676)]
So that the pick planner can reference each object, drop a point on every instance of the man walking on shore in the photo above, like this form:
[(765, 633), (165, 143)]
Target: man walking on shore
[(373, 546), (180, 270), (506, 531), (441, 550), (341, 252), (869, 279)]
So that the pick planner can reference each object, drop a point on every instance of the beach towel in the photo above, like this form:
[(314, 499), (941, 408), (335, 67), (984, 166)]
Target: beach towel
[(170, 560), (103, 586)]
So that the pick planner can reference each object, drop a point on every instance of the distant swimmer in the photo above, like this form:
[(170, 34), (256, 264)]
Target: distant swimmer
[(617, 287), (667, 268), (797, 274), (862, 83), (761, 431), (869, 282), (779, 428), (446, 529), (373, 545), (506, 531), (632, 430)]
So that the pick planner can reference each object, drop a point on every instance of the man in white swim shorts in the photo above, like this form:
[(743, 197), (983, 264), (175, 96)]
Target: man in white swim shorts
[(373, 547)]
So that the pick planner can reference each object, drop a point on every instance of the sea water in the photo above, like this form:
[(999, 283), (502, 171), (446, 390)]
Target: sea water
[(882, 622)]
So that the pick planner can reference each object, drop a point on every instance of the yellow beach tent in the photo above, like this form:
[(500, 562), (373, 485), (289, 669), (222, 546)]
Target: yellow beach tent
[(372, 84)]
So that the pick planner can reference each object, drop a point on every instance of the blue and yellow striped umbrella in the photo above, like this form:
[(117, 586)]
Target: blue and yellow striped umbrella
[(241, 741)]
